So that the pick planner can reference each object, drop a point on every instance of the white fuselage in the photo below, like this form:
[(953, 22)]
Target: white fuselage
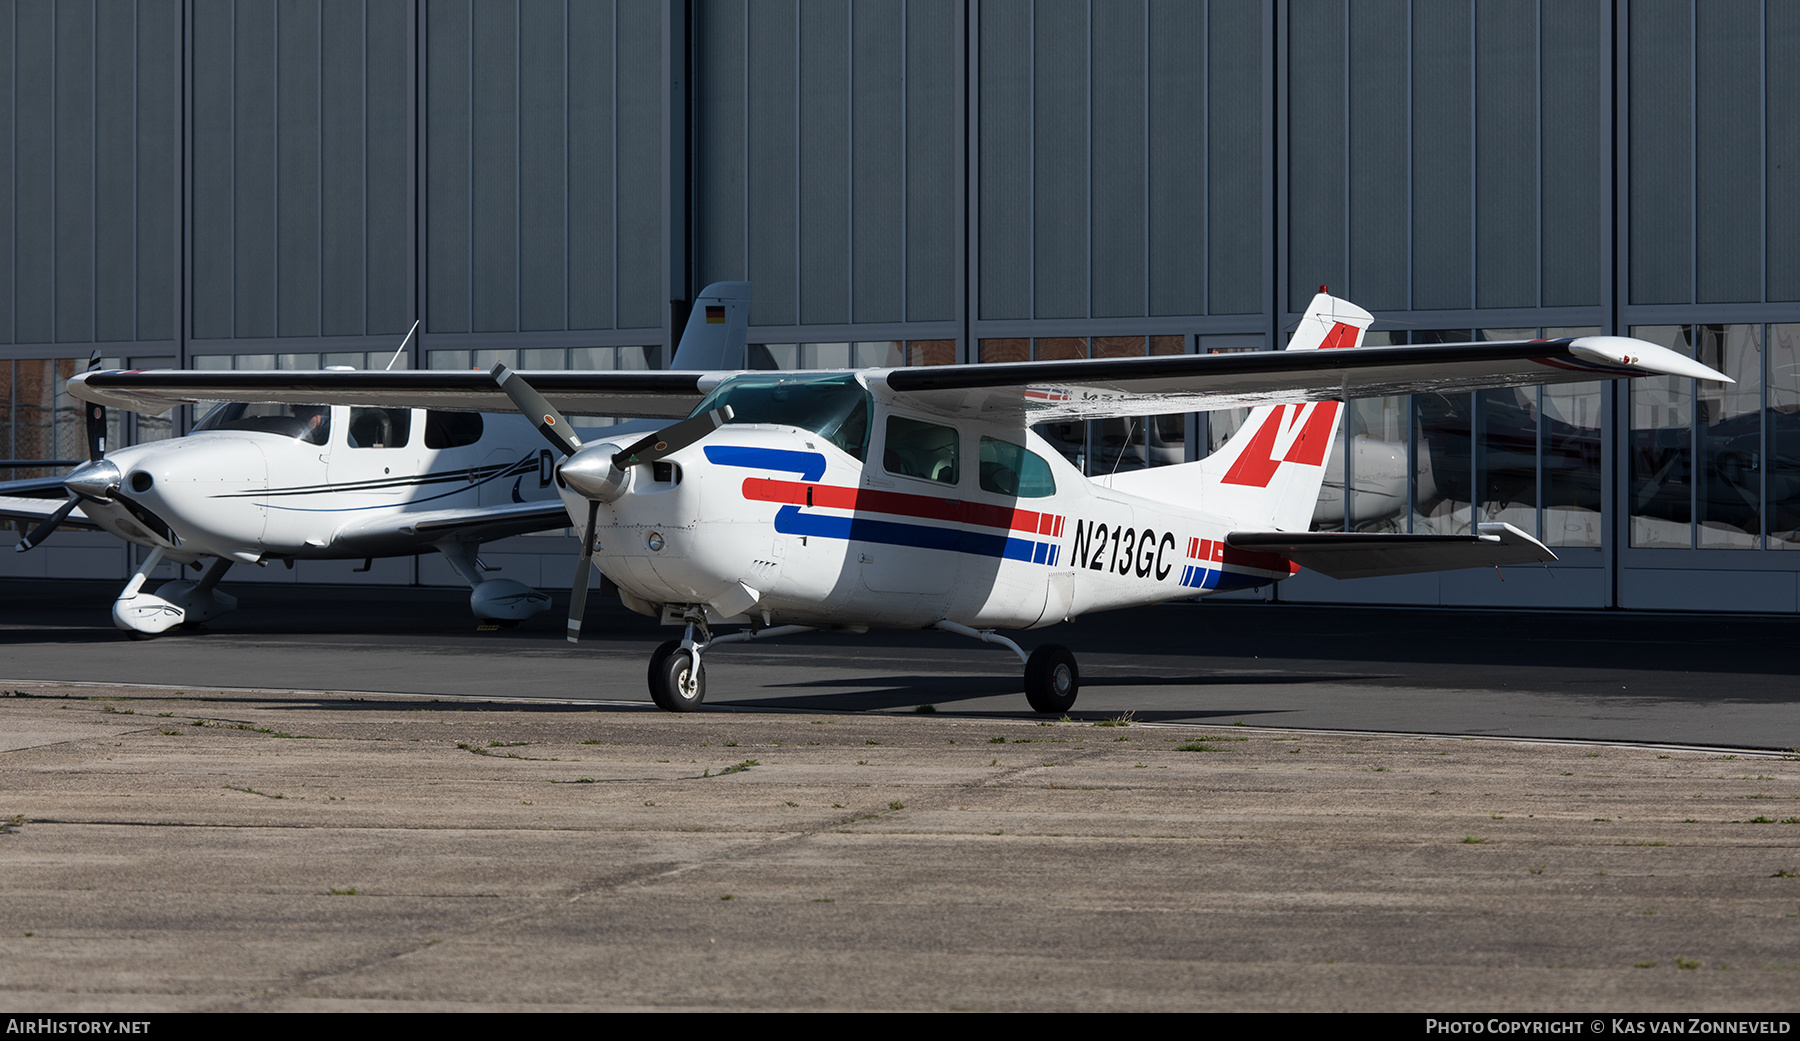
[(775, 525), (250, 495)]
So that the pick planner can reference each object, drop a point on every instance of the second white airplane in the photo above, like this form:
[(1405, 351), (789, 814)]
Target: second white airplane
[(259, 483)]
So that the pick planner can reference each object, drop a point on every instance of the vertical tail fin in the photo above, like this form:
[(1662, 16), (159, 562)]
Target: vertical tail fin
[(716, 330), (1267, 476)]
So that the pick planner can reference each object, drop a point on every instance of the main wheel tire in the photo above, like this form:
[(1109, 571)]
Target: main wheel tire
[(679, 682), (1052, 679), (658, 659)]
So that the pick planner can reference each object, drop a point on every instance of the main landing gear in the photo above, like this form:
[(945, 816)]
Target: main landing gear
[(678, 673), (1052, 679)]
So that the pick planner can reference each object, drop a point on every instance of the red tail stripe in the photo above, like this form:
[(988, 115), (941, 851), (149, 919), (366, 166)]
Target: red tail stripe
[(1340, 335)]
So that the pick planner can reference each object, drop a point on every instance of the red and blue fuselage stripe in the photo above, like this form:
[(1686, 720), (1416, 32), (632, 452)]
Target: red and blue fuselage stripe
[(799, 498)]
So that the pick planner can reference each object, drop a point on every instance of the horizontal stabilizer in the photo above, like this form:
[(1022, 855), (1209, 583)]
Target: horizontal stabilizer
[(1353, 555)]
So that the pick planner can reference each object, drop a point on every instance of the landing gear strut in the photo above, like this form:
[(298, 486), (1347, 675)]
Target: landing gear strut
[(677, 675), (1052, 678)]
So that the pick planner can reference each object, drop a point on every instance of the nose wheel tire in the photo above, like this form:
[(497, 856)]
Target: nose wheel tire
[(677, 681), (1052, 679)]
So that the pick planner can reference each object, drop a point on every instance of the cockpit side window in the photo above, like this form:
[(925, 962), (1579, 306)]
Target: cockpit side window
[(916, 448), (309, 423), (380, 427), (1009, 469), (452, 429)]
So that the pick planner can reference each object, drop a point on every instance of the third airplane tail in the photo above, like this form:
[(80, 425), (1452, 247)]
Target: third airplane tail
[(716, 328)]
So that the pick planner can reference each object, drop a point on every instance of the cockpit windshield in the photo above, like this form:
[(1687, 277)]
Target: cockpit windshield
[(310, 423), (834, 407)]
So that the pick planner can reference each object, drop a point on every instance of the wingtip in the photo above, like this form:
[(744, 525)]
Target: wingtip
[(1652, 359)]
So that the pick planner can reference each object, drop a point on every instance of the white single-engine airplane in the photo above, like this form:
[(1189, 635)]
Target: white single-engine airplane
[(254, 483), (919, 498)]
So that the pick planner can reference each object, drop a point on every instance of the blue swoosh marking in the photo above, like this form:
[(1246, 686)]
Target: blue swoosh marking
[(809, 465)]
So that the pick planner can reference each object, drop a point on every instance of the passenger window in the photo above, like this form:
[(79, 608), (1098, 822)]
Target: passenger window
[(452, 429), (919, 449), (380, 427), (1008, 469)]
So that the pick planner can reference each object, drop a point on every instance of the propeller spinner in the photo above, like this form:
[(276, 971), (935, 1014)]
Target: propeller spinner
[(596, 474)]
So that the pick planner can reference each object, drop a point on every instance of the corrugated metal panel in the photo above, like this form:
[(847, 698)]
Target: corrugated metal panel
[(253, 182), (543, 217), (297, 188), (389, 172), (74, 172), (640, 165), (1315, 148), (447, 188), (1005, 162), (719, 141), (1060, 167), (1783, 129), (34, 184), (933, 127), (8, 105), (879, 160), (1728, 140), (159, 28), (1118, 158), (824, 217), (494, 173), (1506, 154), (1442, 139), (771, 173), (1662, 147), (1379, 190), (210, 173), (342, 89), (114, 310), (1571, 164), (1234, 161), (591, 235)]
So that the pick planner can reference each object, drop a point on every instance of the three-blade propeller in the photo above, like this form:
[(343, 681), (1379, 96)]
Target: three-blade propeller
[(595, 473)]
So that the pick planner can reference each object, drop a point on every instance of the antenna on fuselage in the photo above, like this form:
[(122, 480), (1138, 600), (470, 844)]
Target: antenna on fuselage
[(403, 343)]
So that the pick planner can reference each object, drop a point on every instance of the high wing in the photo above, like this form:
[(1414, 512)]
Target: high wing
[(1098, 388), (629, 394), (1032, 391)]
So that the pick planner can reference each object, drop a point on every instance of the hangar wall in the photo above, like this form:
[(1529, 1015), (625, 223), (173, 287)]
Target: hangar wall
[(246, 183)]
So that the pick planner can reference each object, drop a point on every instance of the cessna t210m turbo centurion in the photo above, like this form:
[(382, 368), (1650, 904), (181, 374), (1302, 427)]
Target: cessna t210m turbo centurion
[(920, 498), (258, 482)]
